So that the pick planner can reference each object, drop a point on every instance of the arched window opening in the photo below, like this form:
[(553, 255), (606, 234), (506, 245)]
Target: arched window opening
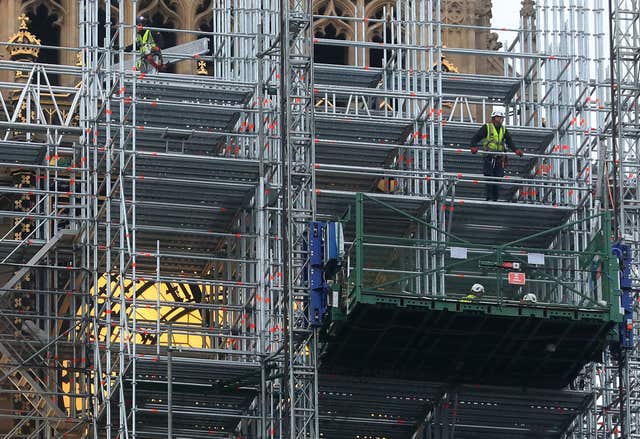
[(164, 39), (102, 21), (376, 56), (328, 25), (44, 25), (381, 29), (329, 54)]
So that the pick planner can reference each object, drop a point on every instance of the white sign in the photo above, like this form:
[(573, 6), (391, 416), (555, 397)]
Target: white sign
[(458, 253), (535, 258)]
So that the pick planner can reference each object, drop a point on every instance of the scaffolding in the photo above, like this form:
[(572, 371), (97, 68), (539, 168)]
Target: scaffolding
[(155, 252)]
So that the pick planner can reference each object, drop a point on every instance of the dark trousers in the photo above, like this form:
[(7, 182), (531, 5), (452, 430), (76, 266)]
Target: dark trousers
[(493, 167)]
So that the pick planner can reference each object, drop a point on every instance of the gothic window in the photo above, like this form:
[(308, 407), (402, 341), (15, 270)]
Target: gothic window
[(328, 26), (102, 20), (167, 8), (162, 14), (376, 56), (44, 22), (379, 30), (167, 39)]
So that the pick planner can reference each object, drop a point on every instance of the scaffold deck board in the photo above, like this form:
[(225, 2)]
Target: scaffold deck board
[(201, 119), (22, 153), (209, 396), (373, 406), (196, 194), (496, 88), (466, 343), (338, 137), (354, 128), (332, 151), (207, 169), (346, 76), (182, 201), (191, 190), (474, 221), (162, 139), (496, 223), (463, 162), (349, 181), (169, 87), (360, 141), (473, 186), (334, 204), (469, 179), (534, 140), (184, 116), (182, 253), (23, 253), (193, 205), (185, 237)]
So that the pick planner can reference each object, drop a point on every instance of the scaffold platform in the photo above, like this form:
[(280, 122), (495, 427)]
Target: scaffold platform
[(395, 317), (393, 408), (184, 302), (446, 341), (209, 397)]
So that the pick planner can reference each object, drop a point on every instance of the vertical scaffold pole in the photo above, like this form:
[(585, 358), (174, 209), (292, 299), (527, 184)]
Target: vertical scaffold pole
[(296, 129)]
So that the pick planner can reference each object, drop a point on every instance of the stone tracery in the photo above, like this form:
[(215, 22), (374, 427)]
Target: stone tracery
[(334, 27)]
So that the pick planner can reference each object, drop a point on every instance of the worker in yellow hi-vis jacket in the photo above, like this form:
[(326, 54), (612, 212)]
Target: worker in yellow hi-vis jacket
[(494, 137), (477, 291), (150, 56)]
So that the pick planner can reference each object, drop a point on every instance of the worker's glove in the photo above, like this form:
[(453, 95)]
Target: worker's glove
[(474, 150), (519, 152), (156, 49)]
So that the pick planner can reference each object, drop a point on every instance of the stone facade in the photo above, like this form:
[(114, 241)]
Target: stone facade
[(464, 13), (64, 18), (196, 14)]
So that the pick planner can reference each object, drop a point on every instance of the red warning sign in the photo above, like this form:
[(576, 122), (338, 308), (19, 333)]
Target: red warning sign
[(516, 278)]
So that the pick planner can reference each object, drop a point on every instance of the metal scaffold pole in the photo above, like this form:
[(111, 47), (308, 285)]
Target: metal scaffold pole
[(296, 118), (160, 276), (625, 91)]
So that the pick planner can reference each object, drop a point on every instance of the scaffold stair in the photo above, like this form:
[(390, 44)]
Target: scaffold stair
[(64, 236), (13, 364)]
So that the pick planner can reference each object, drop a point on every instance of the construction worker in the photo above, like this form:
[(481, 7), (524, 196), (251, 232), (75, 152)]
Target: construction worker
[(493, 137), (529, 298), (477, 291), (387, 185), (150, 56), (447, 66)]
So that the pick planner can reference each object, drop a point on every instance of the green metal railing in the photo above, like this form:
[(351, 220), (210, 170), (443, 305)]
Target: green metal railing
[(417, 260)]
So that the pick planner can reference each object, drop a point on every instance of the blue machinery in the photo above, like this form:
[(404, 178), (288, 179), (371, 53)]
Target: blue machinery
[(326, 245), (622, 251)]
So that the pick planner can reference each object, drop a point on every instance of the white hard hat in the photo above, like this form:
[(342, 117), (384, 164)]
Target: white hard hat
[(499, 112), (477, 288)]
